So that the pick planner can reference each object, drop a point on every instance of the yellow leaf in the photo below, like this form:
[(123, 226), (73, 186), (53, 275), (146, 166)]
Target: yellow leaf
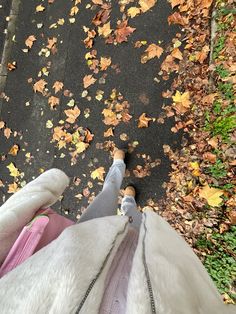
[(74, 10), (98, 174), (104, 30), (81, 147), (14, 150), (40, 8), (212, 195), (195, 166), (14, 172), (133, 11), (146, 4), (182, 101)]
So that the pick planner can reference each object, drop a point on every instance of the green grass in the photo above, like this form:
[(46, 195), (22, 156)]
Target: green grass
[(223, 126), (218, 170), (221, 71), (219, 46), (220, 259)]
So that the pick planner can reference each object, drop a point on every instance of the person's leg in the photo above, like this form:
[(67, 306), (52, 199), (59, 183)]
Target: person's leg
[(129, 208), (105, 204)]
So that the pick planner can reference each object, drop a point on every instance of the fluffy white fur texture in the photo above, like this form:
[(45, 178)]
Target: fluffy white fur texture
[(20, 208)]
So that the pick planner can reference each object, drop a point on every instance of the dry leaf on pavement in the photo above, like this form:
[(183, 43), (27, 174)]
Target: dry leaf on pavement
[(39, 86), (123, 31), (181, 101), (152, 51), (53, 101), (14, 150), (88, 80), (143, 121), (72, 114), (104, 30), (98, 174), (133, 11), (104, 63), (146, 4), (30, 41), (57, 86), (14, 172)]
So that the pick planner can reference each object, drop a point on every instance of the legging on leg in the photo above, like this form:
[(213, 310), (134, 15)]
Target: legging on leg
[(105, 204), (129, 207)]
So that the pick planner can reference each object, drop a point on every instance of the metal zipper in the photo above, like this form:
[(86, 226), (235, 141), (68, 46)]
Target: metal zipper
[(150, 291), (100, 271)]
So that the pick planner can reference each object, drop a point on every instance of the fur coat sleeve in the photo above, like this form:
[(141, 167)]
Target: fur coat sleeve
[(68, 275)]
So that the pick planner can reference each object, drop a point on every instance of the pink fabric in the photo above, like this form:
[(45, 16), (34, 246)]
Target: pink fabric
[(116, 284), (43, 228)]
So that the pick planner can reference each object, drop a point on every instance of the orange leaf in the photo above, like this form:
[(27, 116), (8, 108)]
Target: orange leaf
[(177, 54), (143, 121), (14, 150), (146, 4), (108, 133), (7, 132), (39, 86), (176, 18), (72, 114), (30, 40), (104, 63), (53, 101), (57, 86), (12, 188), (51, 42), (2, 124), (152, 51), (88, 80)]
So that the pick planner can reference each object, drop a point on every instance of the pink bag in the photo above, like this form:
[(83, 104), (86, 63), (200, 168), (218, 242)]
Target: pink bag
[(46, 226)]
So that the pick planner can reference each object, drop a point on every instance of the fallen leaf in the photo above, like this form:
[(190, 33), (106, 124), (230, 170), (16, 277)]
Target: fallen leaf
[(104, 30), (110, 117), (40, 8), (151, 52), (51, 42), (30, 41), (2, 124), (212, 195), (133, 11), (39, 86), (72, 114), (81, 147), (209, 157), (11, 66), (123, 31), (14, 150), (146, 4), (202, 55), (104, 63), (74, 10), (14, 172), (53, 101), (195, 168), (98, 174), (213, 142), (57, 86), (232, 216), (108, 133), (174, 3), (177, 18), (99, 2), (88, 80), (13, 188), (7, 132), (143, 121), (177, 54), (181, 101)]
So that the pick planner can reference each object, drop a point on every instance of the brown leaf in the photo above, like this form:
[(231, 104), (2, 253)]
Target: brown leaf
[(72, 114), (110, 117), (202, 55), (213, 142), (74, 10), (57, 86), (39, 86), (143, 121), (88, 80), (176, 18), (123, 31), (101, 17), (232, 216), (30, 41), (11, 66), (152, 51), (53, 101), (210, 157)]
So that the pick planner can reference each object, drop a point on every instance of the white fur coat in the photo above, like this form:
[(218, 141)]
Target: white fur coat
[(68, 275)]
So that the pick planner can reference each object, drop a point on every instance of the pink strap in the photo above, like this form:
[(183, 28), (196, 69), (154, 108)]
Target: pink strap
[(25, 244)]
